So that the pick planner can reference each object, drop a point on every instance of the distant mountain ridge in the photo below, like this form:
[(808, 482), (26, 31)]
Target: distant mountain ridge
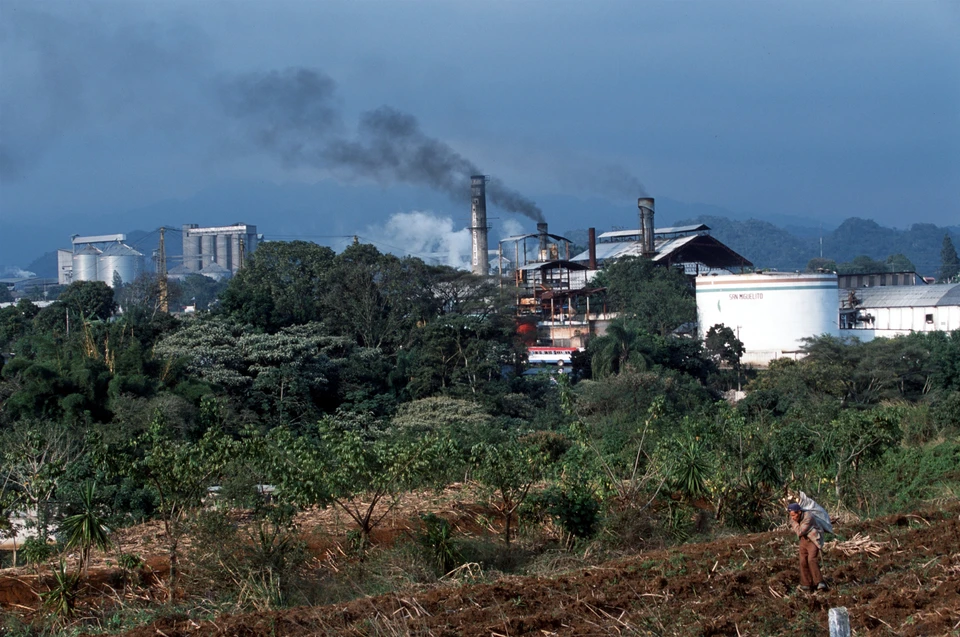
[(769, 246), (765, 244)]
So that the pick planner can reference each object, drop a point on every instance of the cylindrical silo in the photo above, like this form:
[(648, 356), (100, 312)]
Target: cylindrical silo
[(85, 264), (191, 248), (771, 312), (223, 251), (207, 250), (119, 259), (234, 253)]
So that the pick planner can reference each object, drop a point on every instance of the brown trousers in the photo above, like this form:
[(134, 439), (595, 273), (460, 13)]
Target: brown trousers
[(809, 563)]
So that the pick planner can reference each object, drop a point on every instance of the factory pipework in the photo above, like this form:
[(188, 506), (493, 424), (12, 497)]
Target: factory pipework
[(478, 224), (645, 204)]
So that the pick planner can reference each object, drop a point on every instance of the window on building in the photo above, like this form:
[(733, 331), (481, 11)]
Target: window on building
[(930, 319)]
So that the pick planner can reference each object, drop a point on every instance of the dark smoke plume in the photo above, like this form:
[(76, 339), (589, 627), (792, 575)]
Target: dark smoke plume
[(293, 115), (289, 112)]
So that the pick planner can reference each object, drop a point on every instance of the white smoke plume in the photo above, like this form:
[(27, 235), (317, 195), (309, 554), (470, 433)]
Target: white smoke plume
[(426, 235), (13, 272), (431, 237)]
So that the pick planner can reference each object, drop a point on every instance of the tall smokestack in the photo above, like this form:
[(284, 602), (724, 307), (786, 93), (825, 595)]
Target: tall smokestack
[(544, 240), (478, 224), (645, 204), (592, 240)]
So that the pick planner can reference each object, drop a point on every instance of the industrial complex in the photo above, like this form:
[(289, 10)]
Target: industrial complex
[(559, 307)]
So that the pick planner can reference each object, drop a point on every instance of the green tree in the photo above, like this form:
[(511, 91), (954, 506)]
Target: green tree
[(862, 265), (365, 472), (5, 296), (900, 263), (949, 262), (509, 470), (619, 347), (90, 300), (659, 298), (281, 284), (377, 299), (35, 457), (179, 473), (819, 263), (723, 346)]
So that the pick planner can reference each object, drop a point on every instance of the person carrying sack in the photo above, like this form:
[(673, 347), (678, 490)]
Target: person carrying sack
[(804, 524)]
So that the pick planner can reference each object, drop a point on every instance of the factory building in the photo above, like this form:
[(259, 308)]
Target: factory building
[(99, 258), (882, 279), (771, 312), (887, 311), (216, 251), (556, 288)]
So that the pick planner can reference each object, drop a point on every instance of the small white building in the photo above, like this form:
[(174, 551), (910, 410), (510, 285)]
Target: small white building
[(771, 312), (887, 311)]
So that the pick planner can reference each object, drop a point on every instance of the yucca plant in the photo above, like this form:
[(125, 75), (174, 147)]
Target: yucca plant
[(692, 469), (61, 599), (86, 529)]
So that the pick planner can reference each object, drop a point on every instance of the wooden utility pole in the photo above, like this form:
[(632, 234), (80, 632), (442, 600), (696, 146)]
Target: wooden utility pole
[(164, 301)]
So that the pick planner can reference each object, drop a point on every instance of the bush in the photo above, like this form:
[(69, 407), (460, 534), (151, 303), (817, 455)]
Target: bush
[(436, 537), (905, 477), (36, 551)]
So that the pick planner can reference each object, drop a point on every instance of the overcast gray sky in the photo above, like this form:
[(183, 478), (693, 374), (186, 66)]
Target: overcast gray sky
[(823, 110)]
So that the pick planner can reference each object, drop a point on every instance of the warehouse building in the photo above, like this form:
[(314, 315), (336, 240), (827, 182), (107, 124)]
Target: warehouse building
[(887, 311)]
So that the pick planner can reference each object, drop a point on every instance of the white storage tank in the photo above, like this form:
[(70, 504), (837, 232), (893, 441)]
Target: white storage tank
[(85, 267), (771, 311), (119, 258)]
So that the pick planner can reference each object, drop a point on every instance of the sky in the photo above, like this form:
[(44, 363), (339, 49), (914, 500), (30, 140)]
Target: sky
[(117, 116)]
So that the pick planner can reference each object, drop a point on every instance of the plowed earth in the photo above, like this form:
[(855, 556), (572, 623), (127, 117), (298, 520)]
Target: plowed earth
[(743, 585)]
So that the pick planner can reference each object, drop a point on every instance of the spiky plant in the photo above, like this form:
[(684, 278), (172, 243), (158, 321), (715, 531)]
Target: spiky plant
[(86, 529)]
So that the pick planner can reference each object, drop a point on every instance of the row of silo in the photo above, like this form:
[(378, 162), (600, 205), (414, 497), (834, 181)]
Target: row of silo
[(90, 263), (217, 248)]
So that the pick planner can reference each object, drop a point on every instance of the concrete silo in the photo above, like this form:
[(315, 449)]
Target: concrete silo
[(119, 258), (771, 312)]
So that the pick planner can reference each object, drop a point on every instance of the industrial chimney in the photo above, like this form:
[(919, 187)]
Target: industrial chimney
[(592, 240), (543, 250), (478, 224), (645, 204)]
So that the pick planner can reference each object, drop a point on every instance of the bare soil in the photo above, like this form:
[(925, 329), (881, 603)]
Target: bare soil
[(742, 585)]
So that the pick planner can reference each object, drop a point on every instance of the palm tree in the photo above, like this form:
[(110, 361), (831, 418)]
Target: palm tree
[(617, 349), (86, 529)]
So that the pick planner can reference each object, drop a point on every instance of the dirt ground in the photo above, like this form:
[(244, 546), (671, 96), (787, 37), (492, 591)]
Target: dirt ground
[(908, 583)]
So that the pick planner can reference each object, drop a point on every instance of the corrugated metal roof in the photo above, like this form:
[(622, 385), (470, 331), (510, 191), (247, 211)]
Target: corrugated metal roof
[(620, 234), (120, 250), (905, 295), (674, 230), (617, 249), (665, 248)]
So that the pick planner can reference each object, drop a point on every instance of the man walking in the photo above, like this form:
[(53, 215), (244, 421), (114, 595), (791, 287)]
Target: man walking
[(805, 526)]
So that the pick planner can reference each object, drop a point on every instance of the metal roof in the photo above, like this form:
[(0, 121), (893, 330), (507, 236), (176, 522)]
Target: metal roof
[(557, 263), (535, 235), (905, 295), (620, 234), (694, 248), (120, 250)]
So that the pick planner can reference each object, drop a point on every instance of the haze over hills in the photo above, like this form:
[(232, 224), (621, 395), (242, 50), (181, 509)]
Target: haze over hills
[(331, 214)]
